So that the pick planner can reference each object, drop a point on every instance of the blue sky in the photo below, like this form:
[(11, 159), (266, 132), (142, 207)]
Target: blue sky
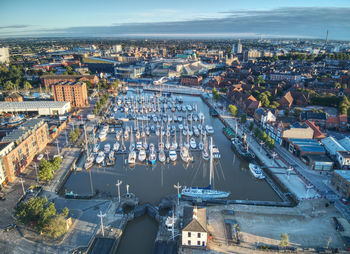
[(187, 18)]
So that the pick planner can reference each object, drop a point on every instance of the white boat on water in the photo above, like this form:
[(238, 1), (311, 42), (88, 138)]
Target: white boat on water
[(116, 146), (208, 192), (184, 154), (161, 156), (107, 148), (152, 158), (89, 162), (205, 155), (138, 145), (201, 116), (132, 157), (142, 155), (256, 171), (216, 153), (209, 129), (96, 148), (172, 155), (102, 136), (193, 143), (118, 135), (100, 157)]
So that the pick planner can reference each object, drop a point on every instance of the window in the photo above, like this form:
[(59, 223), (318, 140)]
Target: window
[(189, 234), (189, 242), (198, 242), (199, 235)]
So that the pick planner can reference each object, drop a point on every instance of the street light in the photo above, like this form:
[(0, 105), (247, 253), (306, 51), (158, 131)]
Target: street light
[(118, 185), (127, 189), (36, 172), (261, 144), (178, 187), (58, 147), (47, 154), (22, 181), (101, 217)]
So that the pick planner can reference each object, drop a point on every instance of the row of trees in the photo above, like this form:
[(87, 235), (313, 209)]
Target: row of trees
[(100, 103), (216, 94), (264, 137), (47, 168), (308, 57), (42, 216), (74, 134), (12, 78)]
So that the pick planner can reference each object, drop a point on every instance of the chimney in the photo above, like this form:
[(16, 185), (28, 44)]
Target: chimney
[(195, 211)]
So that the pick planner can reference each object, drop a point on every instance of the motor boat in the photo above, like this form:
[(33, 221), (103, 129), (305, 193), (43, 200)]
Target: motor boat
[(172, 155), (100, 157), (107, 148), (184, 154), (256, 171), (132, 157), (162, 156), (142, 155), (116, 146), (193, 143), (209, 129)]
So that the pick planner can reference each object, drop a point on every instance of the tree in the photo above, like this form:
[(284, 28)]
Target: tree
[(46, 170), (284, 240), (243, 118), (264, 100), (251, 126), (260, 80), (233, 109), (344, 86), (56, 226), (65, 212), (57, 162), (115, 84), (336, 85), (30, 210), (27, 85), (69, 70), (9, 85), (73, 137), (274, 104), (88, 84), (49, 212), (297, 112)]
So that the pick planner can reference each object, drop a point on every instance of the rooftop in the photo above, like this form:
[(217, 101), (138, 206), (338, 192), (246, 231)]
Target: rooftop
[(308, 145), (344, 174), (18, 105), (23, 131)]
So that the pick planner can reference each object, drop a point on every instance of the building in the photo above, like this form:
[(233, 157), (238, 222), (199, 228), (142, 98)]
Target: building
[(303, 147), (332, 146), (319, 162), (14, 97), (74, 92), (48, 80), (194, 233), (4, 55), (341, 182), (192, 80), (129, 72), (293, 78), (5, 148), (29, 139), (38, 107), (343, 158), (117, 48)]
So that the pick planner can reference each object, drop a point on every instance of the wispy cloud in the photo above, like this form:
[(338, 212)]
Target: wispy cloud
[(299, 22), (14, 26)]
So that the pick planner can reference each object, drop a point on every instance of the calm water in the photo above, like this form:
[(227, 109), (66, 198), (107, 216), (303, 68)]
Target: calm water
[(142, 231), (150, 183)]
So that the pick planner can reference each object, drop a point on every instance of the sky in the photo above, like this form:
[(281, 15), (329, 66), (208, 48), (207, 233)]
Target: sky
[(178, 19)]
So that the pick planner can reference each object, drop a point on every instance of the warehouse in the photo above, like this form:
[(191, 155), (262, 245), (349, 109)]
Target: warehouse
[(39, 107)]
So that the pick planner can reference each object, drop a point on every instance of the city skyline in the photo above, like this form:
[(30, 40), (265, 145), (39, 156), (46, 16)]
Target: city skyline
[(222, 19)]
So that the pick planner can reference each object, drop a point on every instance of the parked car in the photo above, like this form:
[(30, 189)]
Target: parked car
[(344, 201), (10, 227)]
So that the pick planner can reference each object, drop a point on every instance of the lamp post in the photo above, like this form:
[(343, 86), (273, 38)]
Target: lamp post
[(101, 217), (127, 189), (178, 187), (36, 172), (261, 144), (22, 181), (58, 147), (47, 154), (118, 185)]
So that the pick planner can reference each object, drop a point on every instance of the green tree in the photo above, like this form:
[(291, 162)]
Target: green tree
[(260, 80), (46, 170), (49, 212), (115, 84), (297, 112), (69, 70), (27, 86), (56, 227), (274, 104), (9, 85), (336, 85), (88, 84), (264, 100), (251, 126), (243, 118), (73, 137), (56, 162), (233, 109), (344, 86), (30, 210), (284, 240), (65, 212)]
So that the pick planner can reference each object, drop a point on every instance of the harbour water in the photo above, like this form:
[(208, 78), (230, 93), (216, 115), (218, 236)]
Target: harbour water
[(138, 236), (152, 182)]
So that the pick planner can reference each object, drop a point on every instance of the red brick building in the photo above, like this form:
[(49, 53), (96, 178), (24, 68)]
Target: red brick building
[(192, 80), (49, 80), (74, 92), (14, 97)]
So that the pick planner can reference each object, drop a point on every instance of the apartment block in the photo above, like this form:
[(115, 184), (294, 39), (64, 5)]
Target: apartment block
[(74, 92)]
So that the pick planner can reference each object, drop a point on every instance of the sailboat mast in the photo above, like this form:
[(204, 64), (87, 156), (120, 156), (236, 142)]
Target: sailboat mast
[(86, 143), (211, 162)]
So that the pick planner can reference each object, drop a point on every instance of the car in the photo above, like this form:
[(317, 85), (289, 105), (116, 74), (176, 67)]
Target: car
[(344, 201), (10, 227)]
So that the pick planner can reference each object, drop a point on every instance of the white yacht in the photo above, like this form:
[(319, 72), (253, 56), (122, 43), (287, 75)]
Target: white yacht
[(184, 154), (172, 155), (209, 129), (193, 143), (142, 155), (132, 157), (256, 171), (100, 157), (102, 136), (116, 146), (107, 148), (161, 156)]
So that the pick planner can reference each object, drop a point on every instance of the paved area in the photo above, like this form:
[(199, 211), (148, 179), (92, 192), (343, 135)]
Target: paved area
[(309, 225)]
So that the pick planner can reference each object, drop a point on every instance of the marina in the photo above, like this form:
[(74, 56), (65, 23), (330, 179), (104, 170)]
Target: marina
[(174, 151)]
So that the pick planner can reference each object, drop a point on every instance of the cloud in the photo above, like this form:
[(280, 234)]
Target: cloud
[(14, 26), (300, 22)]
